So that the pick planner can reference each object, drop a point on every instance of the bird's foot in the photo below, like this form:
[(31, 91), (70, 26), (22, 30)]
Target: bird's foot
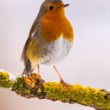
[(65, 84)]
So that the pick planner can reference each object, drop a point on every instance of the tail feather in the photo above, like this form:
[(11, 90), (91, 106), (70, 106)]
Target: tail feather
[(28, 68), (27, 63)]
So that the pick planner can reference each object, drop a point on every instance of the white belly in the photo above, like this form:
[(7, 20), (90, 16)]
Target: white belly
[(56, 51)]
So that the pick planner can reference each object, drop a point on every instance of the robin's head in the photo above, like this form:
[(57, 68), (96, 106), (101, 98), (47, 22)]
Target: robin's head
[(53, 22), (52, 6)]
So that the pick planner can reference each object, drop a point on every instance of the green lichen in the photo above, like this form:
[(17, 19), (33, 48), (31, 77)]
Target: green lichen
[(4, 80), (20, 88), (85, 96), (56, 91), (35, 86)]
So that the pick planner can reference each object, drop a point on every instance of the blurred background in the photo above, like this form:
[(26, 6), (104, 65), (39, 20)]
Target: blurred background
[(87, 64)]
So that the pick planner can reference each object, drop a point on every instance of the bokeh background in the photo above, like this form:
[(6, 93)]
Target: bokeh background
[(88, 62)]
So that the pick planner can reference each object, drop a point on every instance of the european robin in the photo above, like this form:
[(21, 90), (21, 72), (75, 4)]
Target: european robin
[(50, 38)]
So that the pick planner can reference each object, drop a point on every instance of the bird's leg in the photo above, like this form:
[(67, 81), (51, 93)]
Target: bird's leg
[(61, 79), (38, 68), (58, 73)]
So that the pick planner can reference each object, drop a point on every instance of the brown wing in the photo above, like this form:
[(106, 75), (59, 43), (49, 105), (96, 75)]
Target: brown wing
[(24, 56), (28, 69)]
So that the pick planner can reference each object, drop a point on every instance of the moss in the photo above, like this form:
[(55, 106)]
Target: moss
[(35, 86), (29, 86), (86, 96), (56, 91), (4, 80), (20, 88)]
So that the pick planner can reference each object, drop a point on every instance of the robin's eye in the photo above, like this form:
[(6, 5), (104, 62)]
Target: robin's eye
[(51, 7)]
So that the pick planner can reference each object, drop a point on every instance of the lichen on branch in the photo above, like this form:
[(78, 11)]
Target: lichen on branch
[(35, 86)]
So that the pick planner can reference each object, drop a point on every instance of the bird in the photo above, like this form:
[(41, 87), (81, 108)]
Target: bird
[(50, 38)]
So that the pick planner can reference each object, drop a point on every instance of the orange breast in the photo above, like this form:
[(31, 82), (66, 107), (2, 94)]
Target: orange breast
[(55, 25)]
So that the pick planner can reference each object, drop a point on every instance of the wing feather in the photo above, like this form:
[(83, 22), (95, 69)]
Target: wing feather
[(24, 56)]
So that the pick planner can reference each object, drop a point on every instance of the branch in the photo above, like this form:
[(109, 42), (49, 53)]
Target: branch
[(34, 86)]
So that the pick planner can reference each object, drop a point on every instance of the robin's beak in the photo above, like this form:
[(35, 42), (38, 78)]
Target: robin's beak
[(65, 5)]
